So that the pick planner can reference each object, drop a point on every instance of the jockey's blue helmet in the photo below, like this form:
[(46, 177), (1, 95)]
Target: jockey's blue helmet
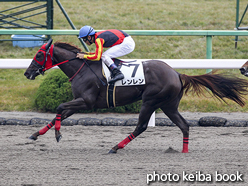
[(86, 31)]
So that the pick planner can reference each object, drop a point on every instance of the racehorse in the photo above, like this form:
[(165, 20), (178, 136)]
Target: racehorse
[(164, 88), (244, 69)]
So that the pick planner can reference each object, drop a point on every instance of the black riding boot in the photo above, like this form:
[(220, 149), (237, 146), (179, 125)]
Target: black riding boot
[(117, 75)]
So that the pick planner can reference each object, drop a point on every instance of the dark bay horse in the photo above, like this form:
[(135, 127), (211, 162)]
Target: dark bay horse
[(163, 89), (244, 69)]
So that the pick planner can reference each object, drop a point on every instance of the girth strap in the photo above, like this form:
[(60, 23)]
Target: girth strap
[(111, 95)]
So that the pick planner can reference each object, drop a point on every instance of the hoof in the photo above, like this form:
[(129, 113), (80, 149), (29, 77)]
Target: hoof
[(32, 138), (58, 135), (58, 138), (112, 151)]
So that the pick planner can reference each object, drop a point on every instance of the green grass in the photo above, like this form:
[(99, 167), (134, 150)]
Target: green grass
[(17, 93)]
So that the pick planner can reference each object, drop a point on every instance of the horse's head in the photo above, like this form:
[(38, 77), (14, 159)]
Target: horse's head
[(41, 62), (244, 69)]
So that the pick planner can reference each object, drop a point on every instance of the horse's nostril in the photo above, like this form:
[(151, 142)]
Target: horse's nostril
[(28, 75), (242, 70)]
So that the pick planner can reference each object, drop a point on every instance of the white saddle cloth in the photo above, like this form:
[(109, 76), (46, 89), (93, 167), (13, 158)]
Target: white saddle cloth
[(133, 73)]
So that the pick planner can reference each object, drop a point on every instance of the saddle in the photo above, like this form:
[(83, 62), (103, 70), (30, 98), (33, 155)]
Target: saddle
[(133, 75)]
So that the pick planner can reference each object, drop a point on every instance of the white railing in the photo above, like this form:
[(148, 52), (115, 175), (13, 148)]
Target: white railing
[(174, 63)]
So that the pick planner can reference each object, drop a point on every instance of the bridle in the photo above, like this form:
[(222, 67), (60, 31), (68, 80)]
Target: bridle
[(48, 61), (47, 53)]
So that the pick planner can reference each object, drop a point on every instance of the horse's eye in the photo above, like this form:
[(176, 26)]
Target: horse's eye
[(39, 56)]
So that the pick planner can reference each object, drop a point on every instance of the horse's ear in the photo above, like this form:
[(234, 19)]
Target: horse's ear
[(49, 43)]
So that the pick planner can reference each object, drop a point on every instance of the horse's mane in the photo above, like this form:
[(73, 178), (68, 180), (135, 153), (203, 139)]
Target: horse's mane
[(67, 46)]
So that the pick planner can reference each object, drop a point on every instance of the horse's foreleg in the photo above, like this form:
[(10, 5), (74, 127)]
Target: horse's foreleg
[(60, 117), (65, 110), (58, 135), (65, 114), (42, 131), (144, 117)]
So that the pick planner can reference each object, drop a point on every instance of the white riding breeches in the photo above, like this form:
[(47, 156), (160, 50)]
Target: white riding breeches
[(126, 47)]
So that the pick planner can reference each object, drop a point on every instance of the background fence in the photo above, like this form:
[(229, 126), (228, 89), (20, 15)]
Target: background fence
[(207, 33), (174, 63), (177, 63)]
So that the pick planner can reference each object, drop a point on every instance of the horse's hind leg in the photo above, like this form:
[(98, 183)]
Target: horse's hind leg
[(144, 116), (176, 118)]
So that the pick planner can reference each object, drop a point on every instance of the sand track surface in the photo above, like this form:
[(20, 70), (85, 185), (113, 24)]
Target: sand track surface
[(81, 157)]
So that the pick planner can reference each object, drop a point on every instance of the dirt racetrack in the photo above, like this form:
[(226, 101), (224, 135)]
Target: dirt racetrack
[(81, 157)]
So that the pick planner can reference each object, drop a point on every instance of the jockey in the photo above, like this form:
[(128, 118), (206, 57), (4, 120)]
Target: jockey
[(118, 42)]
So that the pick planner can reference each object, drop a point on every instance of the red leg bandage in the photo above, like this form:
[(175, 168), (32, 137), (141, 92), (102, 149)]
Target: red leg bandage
[(123, 143), (45, 129), (58, 122), (185, 145)]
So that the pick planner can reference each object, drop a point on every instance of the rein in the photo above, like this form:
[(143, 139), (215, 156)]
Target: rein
[(42, 69), (79, 69), (68, 60), (48, 53), (76, 72), (95, 73)]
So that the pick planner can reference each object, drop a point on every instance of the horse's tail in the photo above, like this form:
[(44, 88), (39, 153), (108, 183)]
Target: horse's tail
[(222, 86)]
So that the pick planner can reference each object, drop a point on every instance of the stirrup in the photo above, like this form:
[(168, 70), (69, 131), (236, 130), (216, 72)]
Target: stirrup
[(117, 77)]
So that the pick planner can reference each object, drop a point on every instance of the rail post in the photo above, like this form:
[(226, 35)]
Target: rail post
[(237, 22), (209, 49)]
